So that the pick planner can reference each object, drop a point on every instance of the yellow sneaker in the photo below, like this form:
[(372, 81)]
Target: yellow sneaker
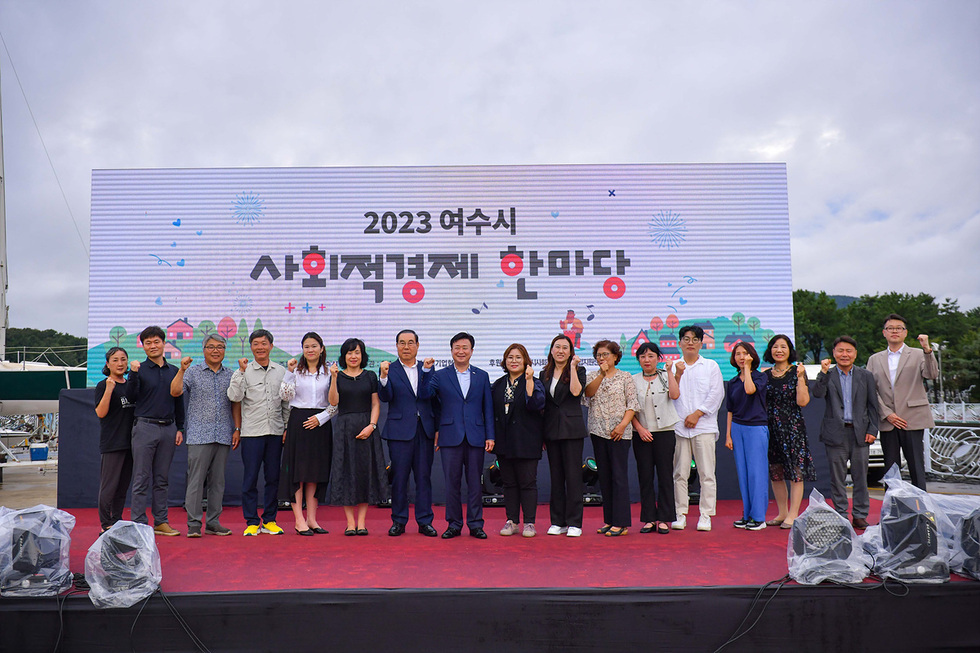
[(252, 530), (271, 528)]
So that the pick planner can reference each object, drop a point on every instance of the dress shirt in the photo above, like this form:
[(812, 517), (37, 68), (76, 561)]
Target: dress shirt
[(464, 380), (149, 390), (845, 390), (263, 410), (209, 416), (412, 372), (893, 358), (701, 388), (304, 390)]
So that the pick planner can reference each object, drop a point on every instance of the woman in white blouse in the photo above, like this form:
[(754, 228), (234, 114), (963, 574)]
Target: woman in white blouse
[(653, 445), (611, 397), (308, 442)]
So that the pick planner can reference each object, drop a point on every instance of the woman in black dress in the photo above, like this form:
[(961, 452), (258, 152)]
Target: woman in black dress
[(358, 470), (564, 435), (789, 452), (307, 450), (517, 402), (115, 437)]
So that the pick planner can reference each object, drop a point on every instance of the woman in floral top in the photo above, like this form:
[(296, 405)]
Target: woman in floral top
[(611, 398)]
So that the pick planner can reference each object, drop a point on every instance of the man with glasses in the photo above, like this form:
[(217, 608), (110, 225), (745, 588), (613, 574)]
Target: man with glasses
[(899, 373), (702, 391), (213, 426)]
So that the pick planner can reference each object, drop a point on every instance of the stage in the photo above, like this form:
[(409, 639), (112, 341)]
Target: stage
[(686, 590)]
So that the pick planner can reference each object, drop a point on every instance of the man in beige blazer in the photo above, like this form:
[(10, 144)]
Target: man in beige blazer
[(899, 371)]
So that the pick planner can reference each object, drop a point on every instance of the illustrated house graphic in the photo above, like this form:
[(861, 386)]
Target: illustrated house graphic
[(709, 334), (170, 352), (180, 330)]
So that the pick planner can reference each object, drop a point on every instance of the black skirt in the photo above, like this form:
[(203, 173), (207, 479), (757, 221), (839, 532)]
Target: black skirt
[(358, 473), (306, 455)]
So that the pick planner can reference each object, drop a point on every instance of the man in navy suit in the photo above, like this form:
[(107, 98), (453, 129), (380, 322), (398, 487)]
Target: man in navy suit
[(465, 432), (849, 427), (410, 430)]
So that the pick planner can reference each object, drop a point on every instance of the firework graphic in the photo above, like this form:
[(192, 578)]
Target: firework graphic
[(248, 208), (667, 229), (241, 302)]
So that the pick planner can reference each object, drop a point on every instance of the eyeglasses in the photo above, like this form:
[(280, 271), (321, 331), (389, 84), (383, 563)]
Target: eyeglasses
[(896, 329), (690, 339), (602, 354), (214, 348)]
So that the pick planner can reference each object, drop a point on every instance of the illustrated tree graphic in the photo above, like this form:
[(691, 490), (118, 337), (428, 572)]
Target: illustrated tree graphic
[(738, 319), (671, 322), (206, 328), (243, 335), (258, 324), (657, 324), (227, 328), (753, 323), (117, 333)]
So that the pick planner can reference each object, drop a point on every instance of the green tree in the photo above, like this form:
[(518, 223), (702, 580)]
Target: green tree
[(205, 329), (116, 334), (753, 323), (49, 346), (815, 321), (242, 336), (738, 319)]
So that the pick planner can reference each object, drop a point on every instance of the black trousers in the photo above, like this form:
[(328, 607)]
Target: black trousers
[(910, 442), (116, 473), (519, 476), (612, 459), (655, 469), (565, 464)]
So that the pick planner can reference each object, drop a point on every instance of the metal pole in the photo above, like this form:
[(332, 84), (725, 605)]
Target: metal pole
[(3, 251)]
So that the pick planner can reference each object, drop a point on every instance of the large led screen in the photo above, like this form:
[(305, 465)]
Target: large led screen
[(509, 254)]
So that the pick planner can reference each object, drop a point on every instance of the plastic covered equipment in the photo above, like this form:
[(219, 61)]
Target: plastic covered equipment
[(34, 549), (823, 546), (911, 549), (123, 566), (961, 531)]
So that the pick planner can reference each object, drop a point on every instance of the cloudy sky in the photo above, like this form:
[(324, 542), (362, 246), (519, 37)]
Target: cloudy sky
[(874, 107)]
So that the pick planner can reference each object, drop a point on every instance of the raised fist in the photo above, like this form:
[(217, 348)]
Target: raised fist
[(135, 366), (383, 368), (334, 370), (679, 368), (428, 363), (185, 362), (575, 361), (109, 384), (668, 365), (800, 370), (242, 364), (291, 364), (924, 341), (528, 372), (825, 365)]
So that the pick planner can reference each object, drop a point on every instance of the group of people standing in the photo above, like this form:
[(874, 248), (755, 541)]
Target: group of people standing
[(312, 429)]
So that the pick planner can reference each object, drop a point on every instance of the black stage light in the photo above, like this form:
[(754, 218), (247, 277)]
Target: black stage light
[(970, 541), (492, 487), (38, 564), (821, 542), (910, 539), (590, 477), (122, 567)]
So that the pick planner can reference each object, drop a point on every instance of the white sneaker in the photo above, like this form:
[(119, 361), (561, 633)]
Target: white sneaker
[(510, 528), (529, 530), (704, 523), (557, 530), (680, 524), (574, 532)]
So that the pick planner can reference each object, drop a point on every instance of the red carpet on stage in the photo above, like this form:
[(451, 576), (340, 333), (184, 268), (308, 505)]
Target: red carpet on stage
[(725, 556)]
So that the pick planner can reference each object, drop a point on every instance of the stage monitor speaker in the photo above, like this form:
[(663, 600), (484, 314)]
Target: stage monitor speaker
[(122, 567), (37, 563), (970, 541)]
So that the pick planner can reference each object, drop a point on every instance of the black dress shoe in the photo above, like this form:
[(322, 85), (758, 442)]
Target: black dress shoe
[(308, 532), (362, 531), (427, 530), (451, 533), (320, 531), (478, 533), (396, 530)]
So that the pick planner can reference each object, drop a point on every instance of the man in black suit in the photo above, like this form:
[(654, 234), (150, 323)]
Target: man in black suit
[(410, 429), (849, 427)]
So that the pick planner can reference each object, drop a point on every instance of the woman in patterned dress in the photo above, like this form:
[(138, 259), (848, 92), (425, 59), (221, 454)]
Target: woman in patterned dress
[(789, 452)]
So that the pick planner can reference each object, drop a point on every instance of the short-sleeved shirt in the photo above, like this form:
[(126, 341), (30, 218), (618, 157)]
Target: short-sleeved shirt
[(116, 428), (609, 404), (208, 418), (355, 392), (748, 410)]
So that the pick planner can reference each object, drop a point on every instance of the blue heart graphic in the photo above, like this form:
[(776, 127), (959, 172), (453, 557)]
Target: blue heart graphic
[(173, 244), (500, 284), (180, 263), (554, 214), (177, 222), (158, 301), (200, 233), (682, 300)]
